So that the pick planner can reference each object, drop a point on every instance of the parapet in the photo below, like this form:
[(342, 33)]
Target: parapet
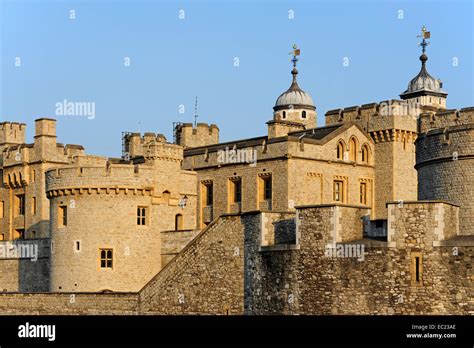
[(448, 118), (202, 135), (387, 114), (421, 224), (111, 178), (12, 133), (152, 146)]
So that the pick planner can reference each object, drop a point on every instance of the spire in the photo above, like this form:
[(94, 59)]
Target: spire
[(294, 84), (424, 35), (423, 84), (294, 96)]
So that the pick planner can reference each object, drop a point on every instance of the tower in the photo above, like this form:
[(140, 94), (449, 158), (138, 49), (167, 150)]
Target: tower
[(424, 89), (294, 109)]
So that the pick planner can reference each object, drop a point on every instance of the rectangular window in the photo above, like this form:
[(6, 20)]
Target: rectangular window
[(2, 211), (33, 175), (2, 236), (106, 258), (33, 206), (209, 194), (267, 188), (62, 216), (237, 190), (141, 216), (20, 205), (338, 191), (416, 269), (363, 193), (77, 245)]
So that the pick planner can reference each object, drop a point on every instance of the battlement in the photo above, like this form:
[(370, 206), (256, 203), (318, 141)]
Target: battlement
[(202, 135), (373, 117), (412, 224), (103, 179), (12, 133), (152, 146), (448, 118)]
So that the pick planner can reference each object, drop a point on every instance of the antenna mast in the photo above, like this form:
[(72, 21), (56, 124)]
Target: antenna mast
[(195, 112)]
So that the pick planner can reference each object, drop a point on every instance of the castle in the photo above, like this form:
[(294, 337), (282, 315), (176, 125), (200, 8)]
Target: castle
[(370, 214)]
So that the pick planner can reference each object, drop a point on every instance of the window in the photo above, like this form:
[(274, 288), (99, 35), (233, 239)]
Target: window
[(141, 216), (62, 216), (353, 149), (33, 175), (2, 236), (267, 188), (363, 193), (404, 143), (77, 245), (209, 194), (178, 222), (378, 223), (303, 114), (2, 211), (365, 154), (338, 194), (236, 187), (284, 114), (416, 269), (19, 234), (340, 150), (33, 206), (20, 205), (106, 258)]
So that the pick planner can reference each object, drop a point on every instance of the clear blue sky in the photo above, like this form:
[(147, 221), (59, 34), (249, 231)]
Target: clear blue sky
[(173, 60)]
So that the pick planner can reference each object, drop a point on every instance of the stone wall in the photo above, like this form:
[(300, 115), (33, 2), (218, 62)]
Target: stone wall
[(68, 304), (306, 279), (172, 242), (205, 278), (445, 163), (23, 274), (226, 269)]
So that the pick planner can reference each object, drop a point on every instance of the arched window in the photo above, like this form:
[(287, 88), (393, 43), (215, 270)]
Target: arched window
[(303, 114), (178, 222), (353, 150), (284, 114), (365, 154), (340, 150)]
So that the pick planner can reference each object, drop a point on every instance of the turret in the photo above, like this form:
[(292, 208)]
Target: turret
[(294, 109)]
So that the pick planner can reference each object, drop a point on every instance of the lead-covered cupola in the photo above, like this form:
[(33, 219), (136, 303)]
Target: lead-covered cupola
[(294, 109), (425, 89)]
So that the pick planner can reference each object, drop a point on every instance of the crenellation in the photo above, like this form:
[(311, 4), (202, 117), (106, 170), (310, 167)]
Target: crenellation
[(370, 214)]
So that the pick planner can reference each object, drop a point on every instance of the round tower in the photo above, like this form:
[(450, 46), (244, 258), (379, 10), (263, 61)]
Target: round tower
[(445, 162), (105, 231)]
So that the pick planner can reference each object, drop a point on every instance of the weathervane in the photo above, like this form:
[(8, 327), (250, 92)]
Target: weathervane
[(296, 52), (424, 35)]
